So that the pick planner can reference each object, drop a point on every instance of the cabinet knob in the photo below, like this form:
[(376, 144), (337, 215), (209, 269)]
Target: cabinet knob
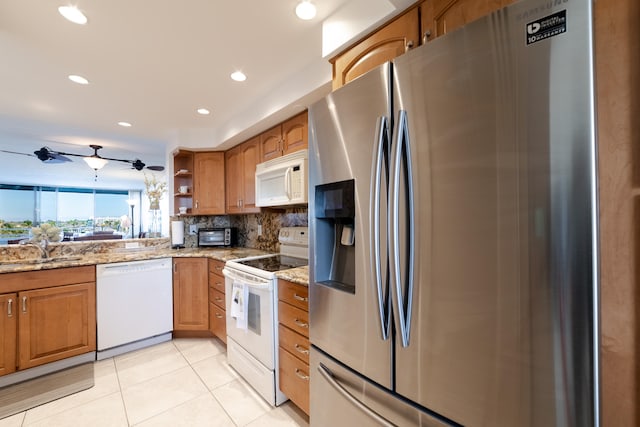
[(299, 298), (301, 323), (408, 45), (425, 36), (302, 375), (300, 349)]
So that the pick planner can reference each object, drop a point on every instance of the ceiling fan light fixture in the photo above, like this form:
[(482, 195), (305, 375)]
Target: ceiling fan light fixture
[(73, 14), (95, 162), (305, 10)]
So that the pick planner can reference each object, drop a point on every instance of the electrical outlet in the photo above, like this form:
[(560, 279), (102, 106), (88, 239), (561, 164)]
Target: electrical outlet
[(259, 230), (193, 229)]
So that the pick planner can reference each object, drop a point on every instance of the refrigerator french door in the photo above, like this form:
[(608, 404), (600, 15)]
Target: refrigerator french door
[(453, 210)]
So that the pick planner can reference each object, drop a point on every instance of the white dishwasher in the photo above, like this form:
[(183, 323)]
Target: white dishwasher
[(134, 305)]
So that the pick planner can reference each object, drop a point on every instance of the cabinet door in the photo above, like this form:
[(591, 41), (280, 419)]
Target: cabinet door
[(389, 42), (56, 323), (295, 134), (8, 333), (451, 14), (190, 294), (250, 158), (233, 163), (271, 143), (208, 183)]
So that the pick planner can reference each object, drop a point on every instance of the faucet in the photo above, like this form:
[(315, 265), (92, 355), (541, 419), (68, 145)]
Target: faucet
[(42, 245)]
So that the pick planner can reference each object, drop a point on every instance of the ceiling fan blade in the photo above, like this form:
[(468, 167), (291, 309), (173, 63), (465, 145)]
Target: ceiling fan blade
[(47, 155), (15, 152), (156, 168)]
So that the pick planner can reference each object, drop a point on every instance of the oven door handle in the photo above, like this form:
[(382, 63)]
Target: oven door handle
[(249, 280)]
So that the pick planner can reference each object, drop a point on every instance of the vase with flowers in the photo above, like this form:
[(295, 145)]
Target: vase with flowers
[(155, 190)]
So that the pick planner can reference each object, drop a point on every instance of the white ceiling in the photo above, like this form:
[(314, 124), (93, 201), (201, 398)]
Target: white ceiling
[(153, 63)]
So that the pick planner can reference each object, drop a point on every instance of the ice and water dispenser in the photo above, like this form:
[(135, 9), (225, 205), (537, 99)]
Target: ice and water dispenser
[(335, 238)]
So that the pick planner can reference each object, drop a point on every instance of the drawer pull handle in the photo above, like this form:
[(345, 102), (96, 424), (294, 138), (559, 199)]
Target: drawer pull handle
[(10, 307), (299, 298), (218, 299), (301, 349), (219, 316), (301, 323), (24, 304), (300, 374)]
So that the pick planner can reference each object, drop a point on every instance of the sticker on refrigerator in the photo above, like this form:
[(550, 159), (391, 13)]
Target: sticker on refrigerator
[(549, 26)]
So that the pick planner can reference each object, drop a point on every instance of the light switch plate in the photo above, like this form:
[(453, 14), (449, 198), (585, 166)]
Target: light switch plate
[(193, 229), (259, 229)]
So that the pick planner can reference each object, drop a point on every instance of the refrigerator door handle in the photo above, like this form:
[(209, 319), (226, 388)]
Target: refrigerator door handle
[(328, 375), (380, 161), (402, 162)]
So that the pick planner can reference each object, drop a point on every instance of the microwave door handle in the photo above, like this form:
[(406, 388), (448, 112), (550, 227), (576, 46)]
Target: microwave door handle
[(287, 183)]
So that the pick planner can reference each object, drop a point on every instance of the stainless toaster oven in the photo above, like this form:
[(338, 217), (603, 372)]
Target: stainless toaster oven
[(217, 237)]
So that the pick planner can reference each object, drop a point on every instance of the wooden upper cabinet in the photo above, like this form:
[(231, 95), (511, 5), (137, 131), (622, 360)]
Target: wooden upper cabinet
[(295, 134), (271, 143), (8, 333), (208, 183), (442, 16), (391, 41), (289, 136), (241, 163)]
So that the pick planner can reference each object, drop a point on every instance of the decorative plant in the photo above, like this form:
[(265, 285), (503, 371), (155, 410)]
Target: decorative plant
[(155, 190), (45, 232)]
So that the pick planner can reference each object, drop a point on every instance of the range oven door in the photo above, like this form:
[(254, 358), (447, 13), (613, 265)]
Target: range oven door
[(259, 337)]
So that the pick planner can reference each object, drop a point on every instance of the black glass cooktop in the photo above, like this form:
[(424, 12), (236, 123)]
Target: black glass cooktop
[(275, 263)]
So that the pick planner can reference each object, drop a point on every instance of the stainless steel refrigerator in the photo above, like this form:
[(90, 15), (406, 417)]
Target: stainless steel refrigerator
[(453, 231)]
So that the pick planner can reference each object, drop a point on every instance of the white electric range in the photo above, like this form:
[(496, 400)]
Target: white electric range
[(251, 288)]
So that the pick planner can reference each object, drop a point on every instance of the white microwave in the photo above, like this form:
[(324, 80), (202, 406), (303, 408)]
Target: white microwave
[(283, 181)]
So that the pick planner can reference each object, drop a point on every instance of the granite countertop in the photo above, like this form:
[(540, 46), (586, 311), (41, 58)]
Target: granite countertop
[(86, 257)]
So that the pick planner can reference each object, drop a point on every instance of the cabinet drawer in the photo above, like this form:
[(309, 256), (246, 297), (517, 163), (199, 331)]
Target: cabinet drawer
[(294, 318), (216, 266), (217, 298), (218, 322), (294, 343), (294, 294), (216, 282), (294, 379)]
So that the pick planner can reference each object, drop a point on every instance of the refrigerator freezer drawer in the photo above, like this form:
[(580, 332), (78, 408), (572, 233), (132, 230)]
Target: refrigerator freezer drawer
[(340, 397)]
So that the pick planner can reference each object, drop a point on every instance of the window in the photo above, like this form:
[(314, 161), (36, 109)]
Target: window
[(77, 211)]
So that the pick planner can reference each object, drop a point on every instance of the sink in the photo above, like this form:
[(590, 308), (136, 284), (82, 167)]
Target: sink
[(36, 261)]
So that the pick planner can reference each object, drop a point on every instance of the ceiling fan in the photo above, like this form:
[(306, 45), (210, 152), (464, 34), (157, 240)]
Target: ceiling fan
[(95, 161)]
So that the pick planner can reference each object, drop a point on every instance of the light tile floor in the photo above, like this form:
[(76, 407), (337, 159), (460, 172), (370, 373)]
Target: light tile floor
[(184, 382)]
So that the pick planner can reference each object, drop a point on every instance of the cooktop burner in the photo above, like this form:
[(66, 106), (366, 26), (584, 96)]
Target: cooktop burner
[(275, 262)]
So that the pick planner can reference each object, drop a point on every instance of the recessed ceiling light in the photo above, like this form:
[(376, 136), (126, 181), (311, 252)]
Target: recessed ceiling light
[(125, 124), (203, 111), (305, 10), (78, 79), (238, 76), (73, 14)]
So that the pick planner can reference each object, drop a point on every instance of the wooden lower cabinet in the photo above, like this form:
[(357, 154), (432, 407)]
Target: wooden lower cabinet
[(217, 312), (190, 294), (293, 337), (8, 331), (46, 316), (56, 323)]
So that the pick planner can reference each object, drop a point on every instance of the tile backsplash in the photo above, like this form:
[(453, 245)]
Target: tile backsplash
[(271, 221)]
